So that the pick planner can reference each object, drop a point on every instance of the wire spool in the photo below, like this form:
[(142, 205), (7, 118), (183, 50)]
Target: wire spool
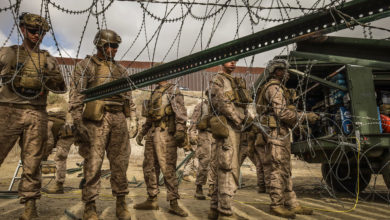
[(385, 120)]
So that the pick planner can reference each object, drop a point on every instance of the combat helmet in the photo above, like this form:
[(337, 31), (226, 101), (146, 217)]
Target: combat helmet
[(105, 36), (33, 21), (273, 65)]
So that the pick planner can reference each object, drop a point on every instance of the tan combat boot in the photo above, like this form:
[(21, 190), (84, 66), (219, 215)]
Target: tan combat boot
[(213, 214), (122, 213), (175, 209), (282, 212), (261, 190), (187, 178), (149, 204), (90, 211), (199, 193), (30, 210), (58, 188), (302, 210), (226, 217)]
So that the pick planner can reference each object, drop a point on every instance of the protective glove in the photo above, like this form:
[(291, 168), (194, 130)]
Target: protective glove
[(312, 117), (139, 139), (180, 138), (193, 140), (82, 133), (188, 147), (133, 128), (292, 107)]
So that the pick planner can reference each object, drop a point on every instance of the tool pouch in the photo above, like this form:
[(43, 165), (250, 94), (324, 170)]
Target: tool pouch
[(94, 110)]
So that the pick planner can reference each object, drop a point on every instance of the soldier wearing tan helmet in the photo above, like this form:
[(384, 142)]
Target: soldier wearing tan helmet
[(277, 114), (27, 74), (101, 125), (201, 136), (165, 131), (228, 98)]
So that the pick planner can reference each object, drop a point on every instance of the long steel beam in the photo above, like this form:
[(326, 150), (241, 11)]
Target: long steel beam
[(312, 25), (343, 60), (364, 49), (318, 80)]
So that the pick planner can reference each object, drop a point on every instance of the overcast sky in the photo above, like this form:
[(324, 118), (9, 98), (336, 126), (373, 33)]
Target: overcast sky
[(126, 19)]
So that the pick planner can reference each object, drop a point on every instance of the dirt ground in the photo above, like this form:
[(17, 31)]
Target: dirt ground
[(248, 204)]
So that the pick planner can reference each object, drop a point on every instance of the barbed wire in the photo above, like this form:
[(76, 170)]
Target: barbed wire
[(215, 12)]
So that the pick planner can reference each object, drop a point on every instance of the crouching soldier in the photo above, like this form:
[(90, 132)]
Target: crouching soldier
[(201, 136)]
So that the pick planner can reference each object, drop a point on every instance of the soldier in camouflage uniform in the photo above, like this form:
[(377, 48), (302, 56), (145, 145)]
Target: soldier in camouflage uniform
[(228, 99), (101, 125), (200, 135), (248, 150), (56, 121), (63, 141), (277, 115), (165, 131), (26, 75)]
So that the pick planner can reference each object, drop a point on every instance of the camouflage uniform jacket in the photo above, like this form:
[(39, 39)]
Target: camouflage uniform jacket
[(8, 65), (277, 102), (176, 101), (85, 75), (223, 101)]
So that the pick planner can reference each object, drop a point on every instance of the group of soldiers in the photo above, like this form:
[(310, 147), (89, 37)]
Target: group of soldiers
[(223, 128)]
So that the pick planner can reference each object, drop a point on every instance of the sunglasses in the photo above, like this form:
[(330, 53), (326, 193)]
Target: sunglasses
[(35, 31), (114, 46)]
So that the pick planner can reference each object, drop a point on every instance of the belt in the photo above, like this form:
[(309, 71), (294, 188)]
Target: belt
[(24, 106), (113, 108)]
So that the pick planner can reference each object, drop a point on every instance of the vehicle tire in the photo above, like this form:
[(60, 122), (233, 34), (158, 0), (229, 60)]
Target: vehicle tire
[(336, 177)]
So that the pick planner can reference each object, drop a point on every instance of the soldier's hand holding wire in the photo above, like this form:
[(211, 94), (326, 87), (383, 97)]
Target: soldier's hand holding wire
[(312, 117)]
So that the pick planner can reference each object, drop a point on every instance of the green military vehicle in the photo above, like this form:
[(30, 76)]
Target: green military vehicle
[(347, 82)]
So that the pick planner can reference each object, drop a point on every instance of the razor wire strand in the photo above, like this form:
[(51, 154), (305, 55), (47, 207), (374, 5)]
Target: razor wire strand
[(282, 8)]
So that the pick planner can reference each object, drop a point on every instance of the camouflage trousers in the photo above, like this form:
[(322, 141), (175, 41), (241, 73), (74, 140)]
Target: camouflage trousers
[(160, 154), (212, 174), (226, 164), (191, 166), (109, 135), (281, 188), (63, 147), (255, 158), (264, 159), (31, 127), (203, 153), (50, 142)]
